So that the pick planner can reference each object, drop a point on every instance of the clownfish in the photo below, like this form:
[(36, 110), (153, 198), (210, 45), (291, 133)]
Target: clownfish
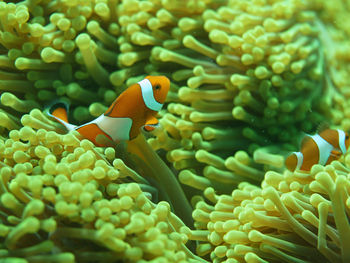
[(321, 148), (133, 109)]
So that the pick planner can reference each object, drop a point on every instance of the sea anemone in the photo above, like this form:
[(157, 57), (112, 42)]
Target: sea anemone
[(292, 217), (64, 200), (248, 78)]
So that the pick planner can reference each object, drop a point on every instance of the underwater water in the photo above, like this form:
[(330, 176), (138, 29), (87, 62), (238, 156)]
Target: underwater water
[(208, 183)]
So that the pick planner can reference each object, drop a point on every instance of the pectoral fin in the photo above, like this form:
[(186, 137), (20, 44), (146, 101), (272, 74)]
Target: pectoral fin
[(151, 124), (336, 153)]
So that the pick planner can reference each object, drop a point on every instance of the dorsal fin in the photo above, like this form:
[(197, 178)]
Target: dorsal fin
[(304, 141), (322, 126)]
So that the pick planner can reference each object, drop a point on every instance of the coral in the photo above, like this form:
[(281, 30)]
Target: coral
[(64, 200), (292, 217)]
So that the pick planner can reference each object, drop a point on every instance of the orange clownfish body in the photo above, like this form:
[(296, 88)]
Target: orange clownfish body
[(136, 107), (322, 148)]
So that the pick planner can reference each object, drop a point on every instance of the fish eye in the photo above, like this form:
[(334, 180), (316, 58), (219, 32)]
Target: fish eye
[(157, 86), (346, 137)]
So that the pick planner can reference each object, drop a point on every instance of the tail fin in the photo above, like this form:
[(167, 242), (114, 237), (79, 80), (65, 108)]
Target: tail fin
[(294, 161), (59, 111)]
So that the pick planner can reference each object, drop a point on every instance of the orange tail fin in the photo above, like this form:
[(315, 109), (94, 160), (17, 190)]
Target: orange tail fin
[(59, 111), (291, 162)]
